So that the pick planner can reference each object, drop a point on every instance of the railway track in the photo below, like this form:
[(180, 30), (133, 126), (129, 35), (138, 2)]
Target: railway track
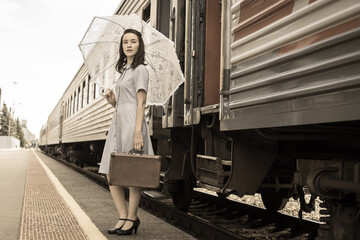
[(211, 217)]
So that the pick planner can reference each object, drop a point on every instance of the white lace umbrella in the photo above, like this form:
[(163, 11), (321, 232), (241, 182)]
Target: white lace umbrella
[(100, 49)]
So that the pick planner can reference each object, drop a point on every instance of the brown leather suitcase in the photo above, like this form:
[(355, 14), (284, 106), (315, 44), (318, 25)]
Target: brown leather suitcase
[(134, 170)]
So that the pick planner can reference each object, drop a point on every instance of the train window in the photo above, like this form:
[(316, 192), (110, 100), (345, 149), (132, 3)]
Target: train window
[(82, 94), (163, 17), (146, 13), (69, 104), (94, 88), (66, 110), (173, 25), (77, 100), (88, 90), (74, 102), (71, 101)]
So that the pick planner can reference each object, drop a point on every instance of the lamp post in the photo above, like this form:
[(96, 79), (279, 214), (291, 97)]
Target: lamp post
[(13, 108)]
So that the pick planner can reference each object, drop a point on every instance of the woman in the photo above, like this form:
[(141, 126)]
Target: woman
[(128, 129)]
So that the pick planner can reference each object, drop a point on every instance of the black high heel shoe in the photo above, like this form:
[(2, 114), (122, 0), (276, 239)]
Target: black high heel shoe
[(129, 231), (114, 230)]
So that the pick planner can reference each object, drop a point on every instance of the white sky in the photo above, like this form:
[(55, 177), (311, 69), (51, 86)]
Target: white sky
[(39, 50)]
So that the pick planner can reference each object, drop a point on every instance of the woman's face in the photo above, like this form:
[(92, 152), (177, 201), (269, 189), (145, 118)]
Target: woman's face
[(130, 44)]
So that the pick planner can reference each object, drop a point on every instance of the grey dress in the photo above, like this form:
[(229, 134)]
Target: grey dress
[(121, 133)]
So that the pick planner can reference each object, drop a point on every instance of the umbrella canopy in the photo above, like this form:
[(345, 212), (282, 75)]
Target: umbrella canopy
[(100, 49)]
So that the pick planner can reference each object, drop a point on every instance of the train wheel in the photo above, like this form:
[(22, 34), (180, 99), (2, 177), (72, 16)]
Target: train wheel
[(181, 201), (274, 201), (181, 193)]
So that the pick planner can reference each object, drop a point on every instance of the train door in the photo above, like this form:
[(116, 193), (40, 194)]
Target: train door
[(212, 52), (197, 38), (202, 62), (194, 60)]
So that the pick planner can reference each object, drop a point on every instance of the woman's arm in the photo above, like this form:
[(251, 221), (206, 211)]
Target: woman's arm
[(140, 112)]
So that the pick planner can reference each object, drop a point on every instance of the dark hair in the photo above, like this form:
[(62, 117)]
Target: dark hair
[(139, 56)]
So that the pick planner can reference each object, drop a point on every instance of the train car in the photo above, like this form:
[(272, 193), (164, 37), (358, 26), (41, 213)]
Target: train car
[(270, 104), (49, 139), (42, 137)]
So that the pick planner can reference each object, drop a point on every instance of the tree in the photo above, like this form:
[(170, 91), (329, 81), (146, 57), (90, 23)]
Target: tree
[(5, 119), (12, 127), (9, 127), (20, 133)]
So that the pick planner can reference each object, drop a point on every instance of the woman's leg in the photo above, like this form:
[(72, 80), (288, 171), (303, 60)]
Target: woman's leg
[(134, 200), (118, 195)]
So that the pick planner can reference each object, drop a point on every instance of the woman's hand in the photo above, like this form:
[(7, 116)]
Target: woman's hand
[(110, 97), (138, 141)]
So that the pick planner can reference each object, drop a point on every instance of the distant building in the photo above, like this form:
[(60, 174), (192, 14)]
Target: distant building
[(29, 137), (7, 142)]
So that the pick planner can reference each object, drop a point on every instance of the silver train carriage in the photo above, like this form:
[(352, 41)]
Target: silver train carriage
[(270, 104)]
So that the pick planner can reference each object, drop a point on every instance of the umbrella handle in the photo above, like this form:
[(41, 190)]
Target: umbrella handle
[(102, 89)]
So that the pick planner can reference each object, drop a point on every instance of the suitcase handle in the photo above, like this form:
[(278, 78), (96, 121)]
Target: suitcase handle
[(135, 151)]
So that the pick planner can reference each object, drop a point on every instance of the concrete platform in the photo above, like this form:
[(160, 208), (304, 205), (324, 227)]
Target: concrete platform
[(44, 199), (12, 184)]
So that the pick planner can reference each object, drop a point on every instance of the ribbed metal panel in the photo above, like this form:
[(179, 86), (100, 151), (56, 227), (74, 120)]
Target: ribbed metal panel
[(315, 81), (91, 123), (42, 137), (53, 123), (131, 7)]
